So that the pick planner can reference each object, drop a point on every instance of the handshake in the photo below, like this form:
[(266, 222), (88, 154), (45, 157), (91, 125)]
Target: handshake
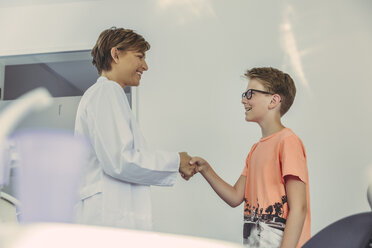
[(189, 166)]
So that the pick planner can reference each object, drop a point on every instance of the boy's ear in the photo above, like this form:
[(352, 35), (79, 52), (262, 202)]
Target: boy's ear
[(115, 54), (275, 101)]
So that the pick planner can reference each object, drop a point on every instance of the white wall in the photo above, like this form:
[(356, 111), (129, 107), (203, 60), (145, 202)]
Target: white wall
[(189, 100)]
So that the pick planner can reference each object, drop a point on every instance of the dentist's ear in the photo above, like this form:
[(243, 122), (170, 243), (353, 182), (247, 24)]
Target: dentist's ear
[(115, 54), (275, 101)]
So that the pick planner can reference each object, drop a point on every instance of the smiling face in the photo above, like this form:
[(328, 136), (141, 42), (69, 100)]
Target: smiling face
[(257, 107), (130, 66)]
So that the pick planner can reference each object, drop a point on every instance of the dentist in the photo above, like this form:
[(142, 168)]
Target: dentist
[(116, 187)]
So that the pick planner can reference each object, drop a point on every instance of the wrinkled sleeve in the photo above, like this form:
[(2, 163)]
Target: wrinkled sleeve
[(119, 145), (293, 158)]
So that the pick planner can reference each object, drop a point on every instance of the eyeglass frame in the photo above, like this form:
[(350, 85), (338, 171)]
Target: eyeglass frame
[(246, 94)]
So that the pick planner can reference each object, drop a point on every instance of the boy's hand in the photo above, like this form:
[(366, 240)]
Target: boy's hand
[(201, 164)]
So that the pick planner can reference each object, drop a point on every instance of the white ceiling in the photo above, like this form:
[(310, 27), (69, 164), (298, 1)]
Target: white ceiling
[(15, 3)]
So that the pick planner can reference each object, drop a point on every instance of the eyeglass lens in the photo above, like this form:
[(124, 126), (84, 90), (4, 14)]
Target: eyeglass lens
[(247, 94)]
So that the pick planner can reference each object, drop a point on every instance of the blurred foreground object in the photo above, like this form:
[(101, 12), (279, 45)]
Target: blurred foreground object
[(69, 235), (352, 231), (33, 101), (8, 211), (369, 194), (49, 171), (48, 162)]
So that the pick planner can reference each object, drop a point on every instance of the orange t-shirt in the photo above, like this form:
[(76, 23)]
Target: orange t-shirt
[(268, 162)]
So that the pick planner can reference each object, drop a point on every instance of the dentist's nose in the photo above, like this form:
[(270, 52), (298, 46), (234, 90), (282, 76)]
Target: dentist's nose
[(145, 66)]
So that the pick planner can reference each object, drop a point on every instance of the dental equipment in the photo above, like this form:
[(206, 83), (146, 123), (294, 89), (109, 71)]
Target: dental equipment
[(33, 101)]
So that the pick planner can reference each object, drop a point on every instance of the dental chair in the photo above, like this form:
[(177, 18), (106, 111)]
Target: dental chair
[(354, 231)]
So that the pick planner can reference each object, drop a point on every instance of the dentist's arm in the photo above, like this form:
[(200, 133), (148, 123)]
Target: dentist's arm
[(118, 142), (232, 195)]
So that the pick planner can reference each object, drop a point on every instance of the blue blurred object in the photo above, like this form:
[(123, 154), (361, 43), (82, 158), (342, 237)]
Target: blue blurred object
[(33, 101), (351, 232), (49, 172)]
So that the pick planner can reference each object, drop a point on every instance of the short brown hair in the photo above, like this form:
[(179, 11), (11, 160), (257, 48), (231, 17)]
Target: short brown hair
[(122, 39), (276, 82)]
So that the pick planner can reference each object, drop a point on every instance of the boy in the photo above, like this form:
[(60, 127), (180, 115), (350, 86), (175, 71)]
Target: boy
[(274, 184)]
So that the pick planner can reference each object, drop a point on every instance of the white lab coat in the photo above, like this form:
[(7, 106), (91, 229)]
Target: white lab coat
[(116, 187)]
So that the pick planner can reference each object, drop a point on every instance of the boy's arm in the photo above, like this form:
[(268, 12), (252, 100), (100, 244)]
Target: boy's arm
[(232, 195), (296, 196)]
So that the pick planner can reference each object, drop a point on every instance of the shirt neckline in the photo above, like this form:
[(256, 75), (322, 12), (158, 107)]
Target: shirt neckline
[(272, 135), (105, 79)]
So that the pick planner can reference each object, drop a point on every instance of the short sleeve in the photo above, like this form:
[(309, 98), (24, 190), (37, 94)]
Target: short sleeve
[(247, 160), (293, 158), (245, 170)]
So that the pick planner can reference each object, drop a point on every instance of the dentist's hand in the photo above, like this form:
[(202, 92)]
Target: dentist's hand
[(186, 169)]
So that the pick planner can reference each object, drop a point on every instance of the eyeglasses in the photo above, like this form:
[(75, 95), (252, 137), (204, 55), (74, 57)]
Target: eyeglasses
[(248, 93)]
